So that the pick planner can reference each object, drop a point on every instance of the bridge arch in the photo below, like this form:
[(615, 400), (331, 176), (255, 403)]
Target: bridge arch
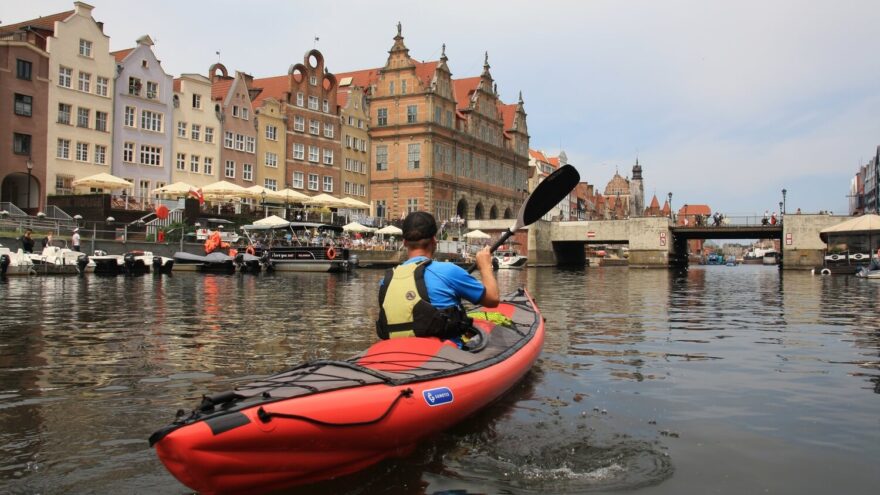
[(508, 214), (478, 211), (493, 212), (462, 209)]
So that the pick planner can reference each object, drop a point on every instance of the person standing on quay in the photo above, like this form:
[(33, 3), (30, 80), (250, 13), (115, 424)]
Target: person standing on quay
[(75, 239)]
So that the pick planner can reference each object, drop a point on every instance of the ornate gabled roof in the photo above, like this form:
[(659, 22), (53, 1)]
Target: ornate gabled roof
[(45, 23), (617, 185)]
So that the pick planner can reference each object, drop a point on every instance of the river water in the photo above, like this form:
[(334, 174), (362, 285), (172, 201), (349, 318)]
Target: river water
[(712, 380)]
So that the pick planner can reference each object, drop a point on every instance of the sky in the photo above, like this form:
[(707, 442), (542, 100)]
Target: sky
[(723, 103)]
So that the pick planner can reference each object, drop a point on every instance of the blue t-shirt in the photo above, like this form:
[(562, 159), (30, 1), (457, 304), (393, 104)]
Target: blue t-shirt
[(448, 283)]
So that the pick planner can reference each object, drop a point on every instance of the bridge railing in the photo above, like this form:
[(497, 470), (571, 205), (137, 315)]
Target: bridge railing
[(728, 221)]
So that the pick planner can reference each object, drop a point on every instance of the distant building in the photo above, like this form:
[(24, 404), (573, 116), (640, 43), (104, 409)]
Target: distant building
[(872, 184), (271, 143), (196, 141), (142, 120), (354, 113), (232, 102), (24, 107)]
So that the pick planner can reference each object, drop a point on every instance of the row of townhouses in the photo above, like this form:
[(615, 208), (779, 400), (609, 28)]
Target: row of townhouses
[(864, 188), (402, 137)]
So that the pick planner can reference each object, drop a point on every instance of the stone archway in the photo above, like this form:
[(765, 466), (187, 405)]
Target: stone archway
[(14, 189), (493, 212), (462, 209), (508, 214), (478, 211)]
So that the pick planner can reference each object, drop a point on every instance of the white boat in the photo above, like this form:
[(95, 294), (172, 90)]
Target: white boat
[(131, 263), (15, 262), (869, 271), (510, 260), (55, 260), (771, 258), (300, 246)]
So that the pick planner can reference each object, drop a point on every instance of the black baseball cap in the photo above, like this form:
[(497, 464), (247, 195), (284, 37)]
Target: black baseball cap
[(419, 225)]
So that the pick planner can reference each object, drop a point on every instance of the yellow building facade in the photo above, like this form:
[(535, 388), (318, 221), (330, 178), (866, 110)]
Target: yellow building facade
[(271, 140), (355, 116), (81, 72), (196, 145)]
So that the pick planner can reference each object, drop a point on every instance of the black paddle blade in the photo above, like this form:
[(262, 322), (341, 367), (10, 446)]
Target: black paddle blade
[(548, 194)]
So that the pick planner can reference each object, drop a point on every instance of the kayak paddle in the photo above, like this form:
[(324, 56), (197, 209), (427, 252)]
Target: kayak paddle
[(548, 194)]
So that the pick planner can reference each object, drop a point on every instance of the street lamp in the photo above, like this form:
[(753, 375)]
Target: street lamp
[(670, 205), (30, 168), (783, 199), (265, 208)]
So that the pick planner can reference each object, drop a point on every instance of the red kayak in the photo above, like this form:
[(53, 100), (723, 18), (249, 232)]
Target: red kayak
[(324, 419)]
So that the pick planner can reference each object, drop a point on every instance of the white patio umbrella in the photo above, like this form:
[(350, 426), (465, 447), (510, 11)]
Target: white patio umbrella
[(477, 234), (324, 199), (390, 230), (291, 196), (272, 221), (353, 203), (223, 188), (102, 181), (356, 227), (178, 188), (256, 192)]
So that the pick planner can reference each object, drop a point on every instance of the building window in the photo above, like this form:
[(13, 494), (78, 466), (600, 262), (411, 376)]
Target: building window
[(143, 188), (128, 152), (247, 172), (313, 80), (235, 110), (381, 208), (128, 118), (151, 121), (209, 165), (271, 133), (313, 154), (63, 149), (382, 157), (85, 82), (100, 154), (24, 105), (300, 99), (196, 132), (101, 121), (239, 142), (82, 117), (413, 156), (152, 90), (82, 152), (299, 151), (197, 101), (313, 182), (63, 184), (347, 141), (134, 86), (151, 155), (251, 145), (329, 130), (328, 157), (299, 123), (438, 115), (65, 74), (391, 88), (181, 161), (194, 163), (325, 106), (270, 184), (314, 127), (229, 171), (64, 113), (102, 86), (347, 187), (209, 135), (181, 129), (382, 116), (360, 124), (412, 205), (298, 180), (23, 69), (403, 86), (328, 184), (85, 48), (245, 113), (362, 190), (411, 113), (271, 159), (313, 102), (21, 143), (228, 140)]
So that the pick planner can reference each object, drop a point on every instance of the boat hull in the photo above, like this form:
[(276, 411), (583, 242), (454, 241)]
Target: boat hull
[(276, 444)]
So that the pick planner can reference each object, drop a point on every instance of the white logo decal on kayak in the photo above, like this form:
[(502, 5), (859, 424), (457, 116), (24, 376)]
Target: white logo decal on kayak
[(437, 396)]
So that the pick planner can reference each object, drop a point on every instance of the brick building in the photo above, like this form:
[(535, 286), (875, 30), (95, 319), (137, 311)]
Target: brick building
[(232, 103)]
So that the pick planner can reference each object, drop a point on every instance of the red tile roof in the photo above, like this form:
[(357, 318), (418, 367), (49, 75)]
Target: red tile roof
[(508, 112), (220, 87), (46, 23), (176, 85), (363, 78), (271, 87), (537, 155), (121, 54), (655, 203), (342, 98), (695, 210), (462, 89), (554, 160)]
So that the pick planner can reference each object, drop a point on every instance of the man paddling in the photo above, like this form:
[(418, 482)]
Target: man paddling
[(422, 297)]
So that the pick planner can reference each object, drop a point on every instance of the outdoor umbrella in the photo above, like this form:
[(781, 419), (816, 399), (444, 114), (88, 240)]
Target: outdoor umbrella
[(324, 199), (291, 196), (356, 227), (178, 188), (477, 234), (390, 230), (256, 192), (353, 203), (102, 181), (272, 221)]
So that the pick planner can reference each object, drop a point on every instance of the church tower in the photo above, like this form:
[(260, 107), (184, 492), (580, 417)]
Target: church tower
[(637, 192)]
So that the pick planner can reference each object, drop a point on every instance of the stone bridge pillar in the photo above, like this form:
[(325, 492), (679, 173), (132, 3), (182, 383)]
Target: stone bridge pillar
[(650, 242), (802, 248)]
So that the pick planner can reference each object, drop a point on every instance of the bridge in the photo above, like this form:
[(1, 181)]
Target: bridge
[(654, 242)]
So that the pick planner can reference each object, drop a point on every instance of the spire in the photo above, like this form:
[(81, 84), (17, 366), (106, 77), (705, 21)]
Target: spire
[(398, 41), (443, 54), (486, 67), (520, 98)]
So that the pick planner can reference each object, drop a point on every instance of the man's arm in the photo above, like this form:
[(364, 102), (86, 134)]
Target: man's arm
[(491, 297)]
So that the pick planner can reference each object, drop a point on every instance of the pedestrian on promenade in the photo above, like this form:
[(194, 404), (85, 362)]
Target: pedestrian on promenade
[(27, 242), (75, 240)]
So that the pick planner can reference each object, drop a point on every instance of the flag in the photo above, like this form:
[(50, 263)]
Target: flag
[(197, 193)]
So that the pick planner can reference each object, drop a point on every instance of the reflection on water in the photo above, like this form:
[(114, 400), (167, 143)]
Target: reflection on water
[(651, 380)]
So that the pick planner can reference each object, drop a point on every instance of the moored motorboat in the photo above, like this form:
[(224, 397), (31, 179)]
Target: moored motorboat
[(54, 260), (510, 259), (215, 262), (15, 262), (299, 246), (324, 419), (131, 263), (869, 271)]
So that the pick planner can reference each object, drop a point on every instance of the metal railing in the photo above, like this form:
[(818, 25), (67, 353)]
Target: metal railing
[(153, 226), (11, 209), (695, 221)]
